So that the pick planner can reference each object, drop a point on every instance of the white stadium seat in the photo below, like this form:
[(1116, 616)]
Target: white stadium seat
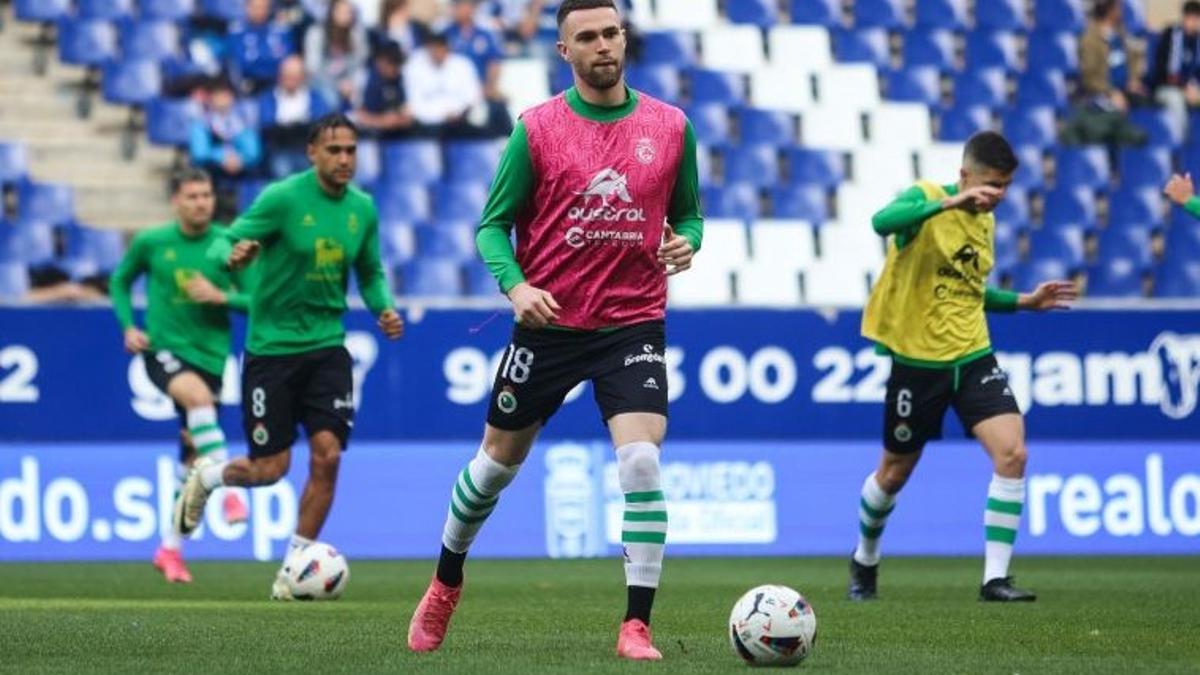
[(699, 287), (884, 170), (686, 14), (832, 128), (783, 244), (833, 285), (735, 48), (940, 162), (901, 125), (802, 47), (525, 82), (778, 87), (858, 247), (849, 86), (768, 286), (724, 246)]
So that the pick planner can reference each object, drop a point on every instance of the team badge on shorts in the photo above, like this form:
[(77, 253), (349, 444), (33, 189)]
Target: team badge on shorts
[(902, 433), (506, 401), (260, 435)]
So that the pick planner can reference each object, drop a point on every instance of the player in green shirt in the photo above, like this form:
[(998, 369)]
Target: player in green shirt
[(308, 231), (186, 341)]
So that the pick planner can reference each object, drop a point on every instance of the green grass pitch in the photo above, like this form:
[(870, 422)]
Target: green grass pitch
[(1095, 615)]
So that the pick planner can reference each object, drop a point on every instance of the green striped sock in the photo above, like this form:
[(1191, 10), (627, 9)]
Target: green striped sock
[(207, 437), (644, 534), (1001, 520), (474, 497), (874, 507)]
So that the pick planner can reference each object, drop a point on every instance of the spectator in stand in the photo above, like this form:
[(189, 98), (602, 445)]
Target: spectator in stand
[(225, 143), (382, 105), (285, 114), (398, 26), (335, 51), (1111, 66), (443, 91), (255, 47), (1175, 77), (516, 20), (472, 39)]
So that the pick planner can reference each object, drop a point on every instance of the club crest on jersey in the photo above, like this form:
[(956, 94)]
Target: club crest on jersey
[(644, 151)]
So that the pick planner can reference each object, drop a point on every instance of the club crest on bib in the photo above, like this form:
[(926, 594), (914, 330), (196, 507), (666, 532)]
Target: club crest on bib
[(644, 151)]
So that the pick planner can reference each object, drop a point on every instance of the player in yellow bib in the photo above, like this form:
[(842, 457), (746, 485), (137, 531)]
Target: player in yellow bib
[(927, 313)]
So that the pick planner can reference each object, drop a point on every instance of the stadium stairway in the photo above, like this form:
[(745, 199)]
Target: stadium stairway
[(41, 111)]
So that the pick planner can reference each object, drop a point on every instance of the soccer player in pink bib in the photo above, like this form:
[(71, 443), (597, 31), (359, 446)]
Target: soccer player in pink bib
[(601, 184)]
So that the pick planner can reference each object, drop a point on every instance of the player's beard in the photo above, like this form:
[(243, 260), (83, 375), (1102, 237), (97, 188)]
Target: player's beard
[(602, 78)]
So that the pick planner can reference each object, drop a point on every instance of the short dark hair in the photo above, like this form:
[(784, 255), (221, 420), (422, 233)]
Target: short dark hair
[(218, 83), (569, 6), (991, 150), (1191, 8), (330, 121), (1101, 9), (391, 52), (190, 174)]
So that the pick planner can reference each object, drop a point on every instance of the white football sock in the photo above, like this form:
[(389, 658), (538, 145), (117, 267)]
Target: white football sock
[(644, 528)]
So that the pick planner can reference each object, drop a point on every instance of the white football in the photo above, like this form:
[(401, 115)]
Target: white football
[(772, 626), (318, 572)]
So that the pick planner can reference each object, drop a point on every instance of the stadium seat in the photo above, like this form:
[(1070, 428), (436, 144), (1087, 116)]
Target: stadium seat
[(948, 14), (1067, 244), (1014, 208), (940, 161), (131, 82), (849, 87), (800, 47), (800, 202), (403, 203), (104, 10), (734, 48), (226, 10), (480, 282), (700, 286), (14, 162), (431, 278), (928, 47), (1082, 166), (1026, 277), (168, 121), (1030, 173), (851, 246), (446, 240), (1006, 248), (524, 82), (987, 87), (768, 286), (738, 201), (661, 82), (991, 49), (782, 88), (864, 45), (1178, 279), (472, 161), (901, 125), (761, 13), (46, 202), (1042, 87), (102, 247), (44, 11), (826, 168), (752, 164), (711, 123), (1059, 15), (832, 127), (248, 191), (149, 39), (686, 14), (883, 170), (1070, 206), (459, 201), (1115, 278), (716, 86), (36, 242), (726, 240), (915, 84), (704, 166), (1053, 49), (1183, 242), (14, 281), (1136, 205), (1000, 15), (1133, 15), (168, 10), (882, 13), (669, 48), (834, 285), (770, 127), (783, 244), (1161, 128), (412, 162), (369, 166), (817, 12), (961, 122), (397, 242), (1134, 244), (1144, 167), (86, 42), (1031, 125)]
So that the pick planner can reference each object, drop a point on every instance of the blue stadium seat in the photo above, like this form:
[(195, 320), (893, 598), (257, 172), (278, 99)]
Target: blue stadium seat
[(14, 281), (661, 82), (1063, 243), (1026, 277), (1030, 172), (1000, 15), (987, 87), (10, 243), (412, 162), (480, 282), (472, 161), (915, 84), (43, 11), (370, 166), (881, 13), (104, 248), (1031, 125), (1115, 278), (924, 47), (800, 202), (819, 12), (1136, 205), (149, 39), (752, 164), (1128, 244), (1054, 49), (227, 10), (14, 164), (562, 76), (717, 86), (447, 240), (1159, 126), (86, 42), (248, 191), (865, 45), (1133, 15), (431, 277), (991, 49), (168, 121), (1082, 166), (960, 122), (950, 14), (770, 127), (1183, 242), (1007, 248), (710, 122), (1178, 279), (813, 166), (761, 13), (1014, 208), (1059, 15), (1042, 87), (739, 201), (36, 242), (45, 202), (169, 10), (1067, 206), (105, 10), (1144, 167), (403, 203), (459, 201), (131, 82), (669, 48)]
